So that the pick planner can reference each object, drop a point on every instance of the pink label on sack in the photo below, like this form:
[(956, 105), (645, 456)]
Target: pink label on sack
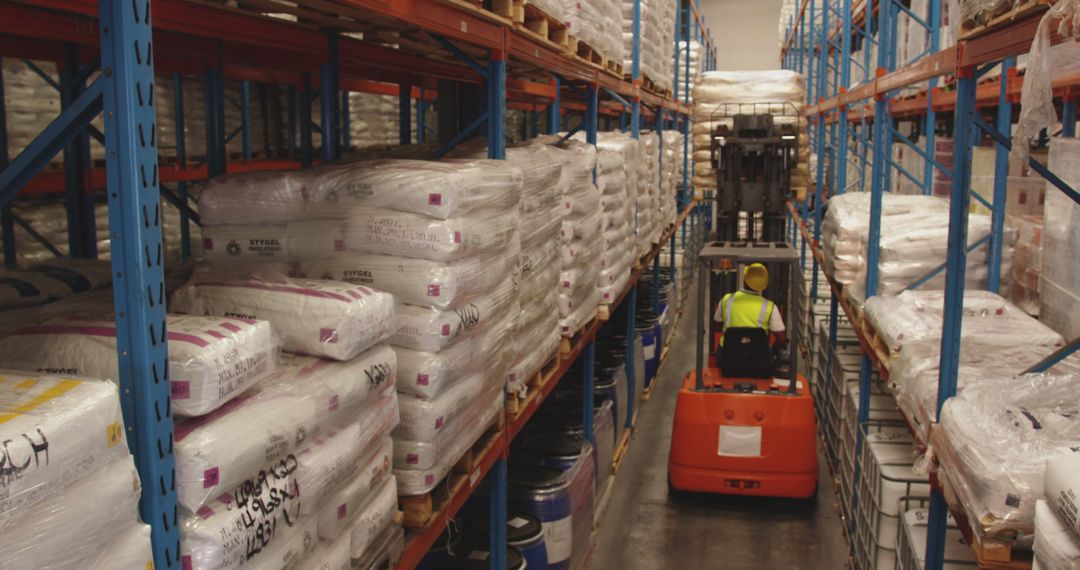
[(334, 403), (566, 284), (211, 477), (412, 458), (181, 389), (513, 376), (422, 380), (205, 512), (438, 422), (339, 245), (446, 330), (208, 243), (457, 237), (328, 336), (231, 327), (429, 479), (342, 511), (186, 562), (434, 199), (433, 290), (225, 498), (216, 334)]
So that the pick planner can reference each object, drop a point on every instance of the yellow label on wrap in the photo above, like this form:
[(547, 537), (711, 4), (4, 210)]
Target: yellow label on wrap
[(149, 565), (62, 387), (113, 433)]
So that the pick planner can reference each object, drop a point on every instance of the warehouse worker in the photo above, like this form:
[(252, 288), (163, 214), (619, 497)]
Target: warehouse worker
[(748, 308)]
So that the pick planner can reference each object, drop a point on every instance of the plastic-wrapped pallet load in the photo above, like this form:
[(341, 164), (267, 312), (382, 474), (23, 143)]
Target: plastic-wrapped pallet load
[(618, 181), (988, 319), (994, 444), (1026, 270), (273, 466), (913, 374), (579, 236), (1059, 285), (320, 318), (51, 280), (211, 359), (718, 95), (70, 489), (1063, 487)]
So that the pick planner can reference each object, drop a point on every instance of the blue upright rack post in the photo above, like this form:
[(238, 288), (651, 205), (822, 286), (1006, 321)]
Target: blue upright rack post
[(346, 121), (82, 234), (245, 118), (1003, 125), (138, 278), (306, 96), (404, 113), (956, 266), (496, 122)]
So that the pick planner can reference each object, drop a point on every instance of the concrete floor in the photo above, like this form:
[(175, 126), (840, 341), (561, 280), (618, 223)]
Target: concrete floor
[(646, 528)]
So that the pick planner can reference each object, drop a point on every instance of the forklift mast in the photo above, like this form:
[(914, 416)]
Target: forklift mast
[(754, 150)]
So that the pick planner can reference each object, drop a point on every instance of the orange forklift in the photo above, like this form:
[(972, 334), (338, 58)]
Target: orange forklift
[(743, 425)]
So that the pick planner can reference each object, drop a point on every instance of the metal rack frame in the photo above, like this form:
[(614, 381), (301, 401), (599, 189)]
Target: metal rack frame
[(199, 42), (811, 46)]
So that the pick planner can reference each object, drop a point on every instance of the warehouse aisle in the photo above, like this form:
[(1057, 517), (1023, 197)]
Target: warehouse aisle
[(646, 529)]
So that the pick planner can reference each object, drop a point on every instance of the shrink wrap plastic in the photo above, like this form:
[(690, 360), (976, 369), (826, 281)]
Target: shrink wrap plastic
[(71, 527), (997, 437), (429, 188), (425, 375), (384, 551), (373, 518), (533, 349), (1059, 284), (321, 318), (129, 549), (1056, 547), (337, 388), (336, 514), (453, 441), (263, 430), (429, 329), (211, 359), (58, 431), (988, 320), (288, 551), (329, 556), (367, 230), (416, 281), (914, 373), (313, 487)]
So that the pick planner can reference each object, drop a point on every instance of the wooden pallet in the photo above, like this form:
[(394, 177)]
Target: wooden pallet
[(537, 23), (990, 553), (513, 10), (515, 403), (567, 345), (586, 53), (418, 510), (988, 20)]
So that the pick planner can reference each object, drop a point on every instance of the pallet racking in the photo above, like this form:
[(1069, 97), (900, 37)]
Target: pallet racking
[(108, 52), (819, 42)]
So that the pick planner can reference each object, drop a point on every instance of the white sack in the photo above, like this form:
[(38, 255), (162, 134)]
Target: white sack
[(320, 318), (68, 527), (337, 512), (374, 517), (211, 359), (130, 549), (429, 329), (57, 430)]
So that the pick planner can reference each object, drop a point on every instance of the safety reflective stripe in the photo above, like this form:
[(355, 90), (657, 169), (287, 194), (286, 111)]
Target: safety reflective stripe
[(728, 310), (763, 314)]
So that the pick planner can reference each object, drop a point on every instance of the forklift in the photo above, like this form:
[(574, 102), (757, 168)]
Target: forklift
[(744, 420)]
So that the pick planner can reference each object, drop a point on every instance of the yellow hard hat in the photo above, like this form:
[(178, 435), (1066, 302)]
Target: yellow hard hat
[(756, 277)]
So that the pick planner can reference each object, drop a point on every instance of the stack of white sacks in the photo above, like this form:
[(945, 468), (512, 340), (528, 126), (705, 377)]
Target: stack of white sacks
[(671, 177), (443, 238), (695, 53), (617, 179), (1057, 529), (719, 95), (648, 199), (69, 496), (374, 120), (598, 24), (657, 27), (914, 241), (580, 236), (536, 335), (252, 435)]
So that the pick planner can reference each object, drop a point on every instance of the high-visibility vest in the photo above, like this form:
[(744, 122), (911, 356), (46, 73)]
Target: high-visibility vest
[(743, 309)]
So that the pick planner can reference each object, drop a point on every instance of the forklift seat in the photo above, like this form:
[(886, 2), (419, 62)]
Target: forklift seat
[(746, 353)]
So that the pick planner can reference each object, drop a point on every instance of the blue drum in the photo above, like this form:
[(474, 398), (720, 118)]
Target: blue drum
[(544, 494), (523, 532), (647, 328), (479, 558), (559, 450)]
